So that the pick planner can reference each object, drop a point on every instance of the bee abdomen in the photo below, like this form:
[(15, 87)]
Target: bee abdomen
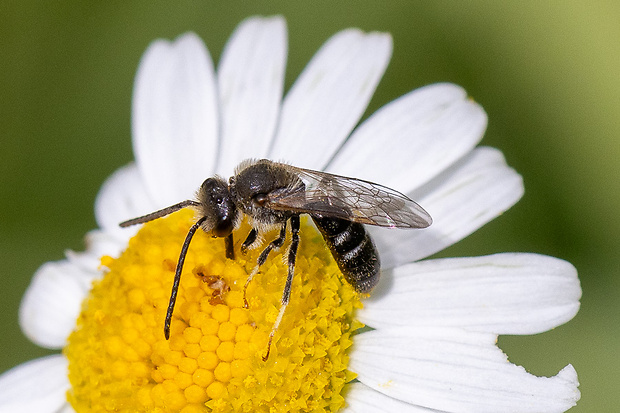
[(353, 251)]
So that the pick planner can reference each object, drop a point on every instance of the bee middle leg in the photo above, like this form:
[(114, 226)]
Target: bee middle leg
[(251, 239), (273, 245), (286, 295)]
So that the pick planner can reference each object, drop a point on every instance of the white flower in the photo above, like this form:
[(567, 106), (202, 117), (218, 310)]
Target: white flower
[(433, 347)]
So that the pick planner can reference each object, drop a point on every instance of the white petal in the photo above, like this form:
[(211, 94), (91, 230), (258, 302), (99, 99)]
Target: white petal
[(250, 81), (122, 196), (175, 118), (362, 399), (412, 139), (98, 244), (501, 294), (456, 371), (468, 195), (36, 386), (67, 408), (329, 97), (52, 302)]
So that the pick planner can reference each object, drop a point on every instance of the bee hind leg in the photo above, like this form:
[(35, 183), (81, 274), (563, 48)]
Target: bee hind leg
[(286, 295)]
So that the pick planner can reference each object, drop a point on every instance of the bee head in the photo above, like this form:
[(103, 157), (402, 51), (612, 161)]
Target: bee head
[(216, 203)]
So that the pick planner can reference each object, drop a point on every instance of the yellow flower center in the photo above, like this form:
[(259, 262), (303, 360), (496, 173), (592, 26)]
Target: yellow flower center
[(119, 359)]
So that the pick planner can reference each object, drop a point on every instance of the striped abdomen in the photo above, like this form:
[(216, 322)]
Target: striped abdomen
[(353, 250)]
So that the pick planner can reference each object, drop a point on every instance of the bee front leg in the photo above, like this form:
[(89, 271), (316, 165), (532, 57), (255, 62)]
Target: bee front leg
[(273, 245), (229, 244), (286, 295)]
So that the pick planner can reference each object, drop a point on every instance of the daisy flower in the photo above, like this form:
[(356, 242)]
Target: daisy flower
[(430, 338)]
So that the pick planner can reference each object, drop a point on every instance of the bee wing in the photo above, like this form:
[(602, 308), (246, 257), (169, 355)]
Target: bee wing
[(352, 199)]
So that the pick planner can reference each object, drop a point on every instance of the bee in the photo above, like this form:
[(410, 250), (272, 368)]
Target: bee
[(272, 195)]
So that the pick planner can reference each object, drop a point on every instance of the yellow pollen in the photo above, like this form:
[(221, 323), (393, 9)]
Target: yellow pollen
[(120, 361)]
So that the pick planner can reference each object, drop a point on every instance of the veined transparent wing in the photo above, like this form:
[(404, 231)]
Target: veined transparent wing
[(347, 198)]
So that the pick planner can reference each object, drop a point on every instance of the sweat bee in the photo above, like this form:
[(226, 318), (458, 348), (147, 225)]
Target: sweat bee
[(271, 195)]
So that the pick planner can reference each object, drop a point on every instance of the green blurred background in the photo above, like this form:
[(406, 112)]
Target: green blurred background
[(548, 74)]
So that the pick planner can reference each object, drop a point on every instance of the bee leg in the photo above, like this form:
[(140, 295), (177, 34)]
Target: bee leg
[(251, 239), (275, 244), (286, 295), (230, 246), (177, 275)]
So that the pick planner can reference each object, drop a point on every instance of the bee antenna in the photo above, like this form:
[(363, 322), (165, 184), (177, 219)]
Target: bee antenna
[(159, 214), (177, 275)]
